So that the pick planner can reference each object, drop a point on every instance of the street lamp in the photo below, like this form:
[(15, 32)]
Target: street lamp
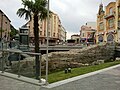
[(47, 43)]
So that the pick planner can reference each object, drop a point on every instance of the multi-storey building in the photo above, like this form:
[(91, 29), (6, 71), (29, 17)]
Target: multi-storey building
[(87, 32), (56, 31), (4, 26), (108, 23)]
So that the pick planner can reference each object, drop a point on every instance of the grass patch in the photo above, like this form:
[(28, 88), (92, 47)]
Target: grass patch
[(57, 76)]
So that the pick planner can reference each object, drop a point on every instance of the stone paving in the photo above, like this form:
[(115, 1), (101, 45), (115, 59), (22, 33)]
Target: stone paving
[(12, 84), (106, 80)]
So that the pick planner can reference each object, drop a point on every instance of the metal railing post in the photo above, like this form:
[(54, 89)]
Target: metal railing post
[(19, 65), (3, 62), (2, 59), (40, 68)]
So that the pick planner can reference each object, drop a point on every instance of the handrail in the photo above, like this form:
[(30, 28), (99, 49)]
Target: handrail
[(19, 52)]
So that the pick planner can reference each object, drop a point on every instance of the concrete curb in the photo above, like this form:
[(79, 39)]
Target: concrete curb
[(22, 78), (79, 77)]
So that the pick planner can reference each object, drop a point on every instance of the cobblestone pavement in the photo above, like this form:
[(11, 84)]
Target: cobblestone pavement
[(107, 80)]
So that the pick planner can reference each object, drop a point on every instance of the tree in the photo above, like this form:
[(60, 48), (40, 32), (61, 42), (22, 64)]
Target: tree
[(13, 31), (37, 8)]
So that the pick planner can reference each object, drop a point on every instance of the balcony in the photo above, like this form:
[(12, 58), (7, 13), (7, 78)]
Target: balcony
[(109, 15), (114, 31)]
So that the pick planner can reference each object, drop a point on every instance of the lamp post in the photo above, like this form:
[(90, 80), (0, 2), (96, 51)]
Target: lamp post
[(47, 43)]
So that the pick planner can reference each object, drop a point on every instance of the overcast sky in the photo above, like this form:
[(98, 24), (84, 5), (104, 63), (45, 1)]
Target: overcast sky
[(73, 13)]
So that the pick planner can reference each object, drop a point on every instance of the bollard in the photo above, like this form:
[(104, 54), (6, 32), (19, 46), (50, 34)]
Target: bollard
[(69, 70), (66, 71)]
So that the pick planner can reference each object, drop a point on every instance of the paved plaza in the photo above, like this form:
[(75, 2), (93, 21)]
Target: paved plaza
[(108, 79)]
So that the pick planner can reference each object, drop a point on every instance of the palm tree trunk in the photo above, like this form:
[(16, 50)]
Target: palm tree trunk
[(36, 38)]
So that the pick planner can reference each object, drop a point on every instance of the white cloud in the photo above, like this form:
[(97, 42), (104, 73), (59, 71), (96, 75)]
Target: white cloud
[(73, 14), (10, 8), (60, 5)]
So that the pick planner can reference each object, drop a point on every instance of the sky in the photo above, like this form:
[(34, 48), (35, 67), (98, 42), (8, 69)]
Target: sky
[(73, 13)]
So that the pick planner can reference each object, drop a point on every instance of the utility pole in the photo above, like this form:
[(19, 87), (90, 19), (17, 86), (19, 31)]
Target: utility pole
[(47, 43)]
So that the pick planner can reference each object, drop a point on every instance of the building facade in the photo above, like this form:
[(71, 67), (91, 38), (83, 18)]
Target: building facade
[(75, 37), (4, 26), (56, 31), (87, 33), (108, 23), (62, 35)]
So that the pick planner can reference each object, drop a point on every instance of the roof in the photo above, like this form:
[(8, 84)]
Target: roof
[(4, 15), (111, 3), (25, 25)]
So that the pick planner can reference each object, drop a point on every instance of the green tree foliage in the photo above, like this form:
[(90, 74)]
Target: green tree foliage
[(13, 31)]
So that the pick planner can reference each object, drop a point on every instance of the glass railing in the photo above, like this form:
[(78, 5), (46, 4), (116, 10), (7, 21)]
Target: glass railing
[(19, 63)]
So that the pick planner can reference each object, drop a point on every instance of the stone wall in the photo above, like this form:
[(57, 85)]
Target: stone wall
[(80, 57), (73, 58)]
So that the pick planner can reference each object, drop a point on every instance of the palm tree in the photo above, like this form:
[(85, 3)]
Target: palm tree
[(37, 8)]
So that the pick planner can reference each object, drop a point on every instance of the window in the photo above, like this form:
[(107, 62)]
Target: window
[(24, 39), (100, 38), (101, 25), (111, 23), (40, 32), (110, 37), (83, 34), (119, 9), (54, 34), (111, 11), (44, 33), (118, 24), (49, 34)]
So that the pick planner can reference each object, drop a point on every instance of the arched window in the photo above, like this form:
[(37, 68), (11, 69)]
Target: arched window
[(111, 11), (110, 38), (100, 39)]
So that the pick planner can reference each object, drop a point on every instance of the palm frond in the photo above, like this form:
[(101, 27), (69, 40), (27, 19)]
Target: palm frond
[(28, 4), (43, 14), (39, 5), (21, 12), (35, 7), (41, 2)]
